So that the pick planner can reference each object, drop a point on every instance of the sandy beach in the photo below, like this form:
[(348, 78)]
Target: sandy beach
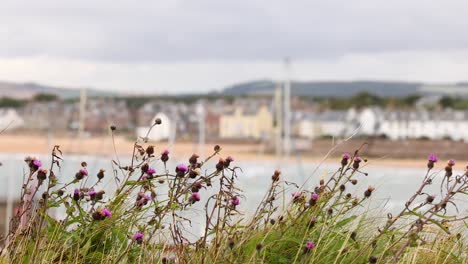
[(104, 146)]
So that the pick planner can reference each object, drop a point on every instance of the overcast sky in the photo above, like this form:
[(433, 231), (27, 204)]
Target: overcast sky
[(170, 46)]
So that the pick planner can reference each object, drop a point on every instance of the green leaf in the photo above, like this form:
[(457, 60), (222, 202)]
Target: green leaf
[(86, 247), (345, 221), (440, 225)]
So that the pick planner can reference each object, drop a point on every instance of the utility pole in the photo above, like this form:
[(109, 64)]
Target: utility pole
[(278, 123), (201, 128), (287, 108), (82, 114)]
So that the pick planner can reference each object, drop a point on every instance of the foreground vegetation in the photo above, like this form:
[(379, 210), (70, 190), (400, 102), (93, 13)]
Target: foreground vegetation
[(148, 220)]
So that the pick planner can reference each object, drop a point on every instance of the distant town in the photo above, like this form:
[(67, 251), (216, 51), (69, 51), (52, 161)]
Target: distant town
[(248, 118)]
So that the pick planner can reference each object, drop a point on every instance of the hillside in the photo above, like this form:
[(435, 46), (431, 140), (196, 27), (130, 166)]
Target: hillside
[(28, 90), (346, 89)]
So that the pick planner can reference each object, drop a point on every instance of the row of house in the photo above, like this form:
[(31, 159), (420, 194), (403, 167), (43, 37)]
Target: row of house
[(376, 122), (245, 118), (395, 125)]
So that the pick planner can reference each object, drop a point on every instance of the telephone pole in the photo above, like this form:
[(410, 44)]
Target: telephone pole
[(287, 108)]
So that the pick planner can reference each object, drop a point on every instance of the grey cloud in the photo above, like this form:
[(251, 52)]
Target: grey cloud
[(162, 31)]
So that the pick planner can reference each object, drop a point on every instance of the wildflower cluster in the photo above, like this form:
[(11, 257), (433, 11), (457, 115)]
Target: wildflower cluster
[(149, 217)]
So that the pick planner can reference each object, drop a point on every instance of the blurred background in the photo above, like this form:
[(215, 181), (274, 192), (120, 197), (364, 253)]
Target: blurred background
[(278, 84)]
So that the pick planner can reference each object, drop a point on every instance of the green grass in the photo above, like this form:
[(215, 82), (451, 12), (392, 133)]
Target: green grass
[(344, 230)]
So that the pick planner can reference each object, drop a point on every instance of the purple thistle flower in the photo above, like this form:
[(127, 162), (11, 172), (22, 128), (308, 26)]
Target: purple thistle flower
[(357, 159), (195, 196), (107, 212), (182, 168), (84, 171), (314, 196), (432, 157), (76, 195), (230, 159), (296, 195), (147, 197), (451, 162), (151, 171), (346, 156), (235, 201), (165, 152), (138, 236), (92, 193), (37, 163), (310, 245)]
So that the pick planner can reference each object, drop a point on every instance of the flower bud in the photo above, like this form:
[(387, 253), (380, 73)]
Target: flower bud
[(430, 198), (180, 170), (342, 188), (76, 195), (195, 197), (193, 160), (138, 237), (259, 247), (41, 174), (150, 150), (227, 161), (356, 162), (220, 165), (312, 222), (369, 191), (431, 159), (100, 174), (276, 176), (165, 156), (345, 158), (217, 148)]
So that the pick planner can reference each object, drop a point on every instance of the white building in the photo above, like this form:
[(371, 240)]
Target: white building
[(395, 125), (10, 119), (327, 123), (158, 132)]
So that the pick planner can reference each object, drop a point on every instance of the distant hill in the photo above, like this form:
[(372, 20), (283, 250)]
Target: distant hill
[(346, 89), (28, 90)]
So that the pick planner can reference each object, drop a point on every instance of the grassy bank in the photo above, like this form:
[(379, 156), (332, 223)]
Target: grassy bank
[(146, 219)]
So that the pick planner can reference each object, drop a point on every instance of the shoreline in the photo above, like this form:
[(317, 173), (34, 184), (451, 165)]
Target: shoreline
[(104, 146)]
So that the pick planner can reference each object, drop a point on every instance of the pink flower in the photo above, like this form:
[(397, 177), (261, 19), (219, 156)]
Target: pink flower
[(195, 197), (346, 156), (147, 197), (432, 157), (84, 172), (296, 195), (76, 195), (314, 196), (138, 236), (107, 212), (165, 152), (230, 159), (451, 162), (151, 171), (357, 159), (235, 201), (310, 245), (181, 168), (37, 163)]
